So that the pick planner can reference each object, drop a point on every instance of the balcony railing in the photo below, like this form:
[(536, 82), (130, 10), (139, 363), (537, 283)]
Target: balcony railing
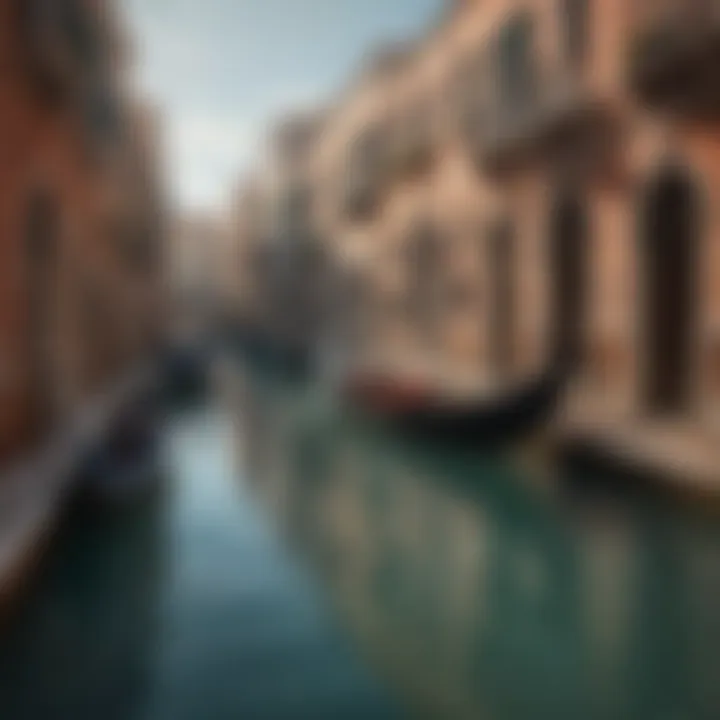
[(674, 53), (564, 115)]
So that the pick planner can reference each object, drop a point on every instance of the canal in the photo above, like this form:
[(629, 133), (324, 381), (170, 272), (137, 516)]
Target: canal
[(299, 563)]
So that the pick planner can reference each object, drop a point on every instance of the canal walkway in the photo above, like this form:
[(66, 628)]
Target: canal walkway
[(34, 490), (188, 608)]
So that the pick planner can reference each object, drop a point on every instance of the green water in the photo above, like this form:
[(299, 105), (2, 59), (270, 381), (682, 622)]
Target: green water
[(479, 590), (303, 564)]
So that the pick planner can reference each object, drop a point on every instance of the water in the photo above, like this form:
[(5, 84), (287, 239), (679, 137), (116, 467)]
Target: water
[(308, 565), (188, 607), (478, 589)]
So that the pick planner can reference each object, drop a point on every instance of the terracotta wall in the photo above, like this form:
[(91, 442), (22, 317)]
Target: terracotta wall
[(46, 375)]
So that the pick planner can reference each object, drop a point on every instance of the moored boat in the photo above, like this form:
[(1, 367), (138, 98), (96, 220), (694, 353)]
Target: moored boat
[(425, 408), (124, 466)]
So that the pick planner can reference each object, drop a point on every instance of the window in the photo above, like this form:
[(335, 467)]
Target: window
[(363, 168), (425, 262), (472, 86), (576, 21), (515, 64), (103, 116)]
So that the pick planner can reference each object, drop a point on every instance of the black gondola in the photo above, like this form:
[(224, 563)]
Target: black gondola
[(432, 415), (505, 417)]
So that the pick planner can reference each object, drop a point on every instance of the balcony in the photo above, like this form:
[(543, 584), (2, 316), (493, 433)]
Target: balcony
[(63, 40), (674, 54), (566, 119)]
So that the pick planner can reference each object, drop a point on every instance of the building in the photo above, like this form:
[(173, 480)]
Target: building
[(529, 185), (80, 244), (248, 227), (280, 259), (201, 265), (292, 233)]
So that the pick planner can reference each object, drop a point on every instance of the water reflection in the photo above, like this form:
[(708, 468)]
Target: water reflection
[(480, 596)]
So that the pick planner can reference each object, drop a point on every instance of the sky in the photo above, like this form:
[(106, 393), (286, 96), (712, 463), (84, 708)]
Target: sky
[(221, 70)]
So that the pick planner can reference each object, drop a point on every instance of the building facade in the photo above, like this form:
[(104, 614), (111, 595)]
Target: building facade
[(80, 216), (533, 183), (280, 261)]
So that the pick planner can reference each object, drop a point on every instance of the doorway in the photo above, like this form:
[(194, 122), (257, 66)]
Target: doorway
[(668, 261), (568, 243)]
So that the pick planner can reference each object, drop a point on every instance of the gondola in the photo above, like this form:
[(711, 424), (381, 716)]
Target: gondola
[(124, 465), (417, 408)]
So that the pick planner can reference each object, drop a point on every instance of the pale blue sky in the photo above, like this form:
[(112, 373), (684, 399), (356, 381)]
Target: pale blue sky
[(221, 69)]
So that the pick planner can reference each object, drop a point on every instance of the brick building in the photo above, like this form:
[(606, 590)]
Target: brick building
[(80, 215)]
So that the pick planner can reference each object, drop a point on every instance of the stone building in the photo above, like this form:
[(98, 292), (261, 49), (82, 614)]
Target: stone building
[(531, 184)]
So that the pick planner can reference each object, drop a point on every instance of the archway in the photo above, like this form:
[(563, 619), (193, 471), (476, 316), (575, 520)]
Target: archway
[(42, 255), (668, 262), (502, 298), (568, 243)]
